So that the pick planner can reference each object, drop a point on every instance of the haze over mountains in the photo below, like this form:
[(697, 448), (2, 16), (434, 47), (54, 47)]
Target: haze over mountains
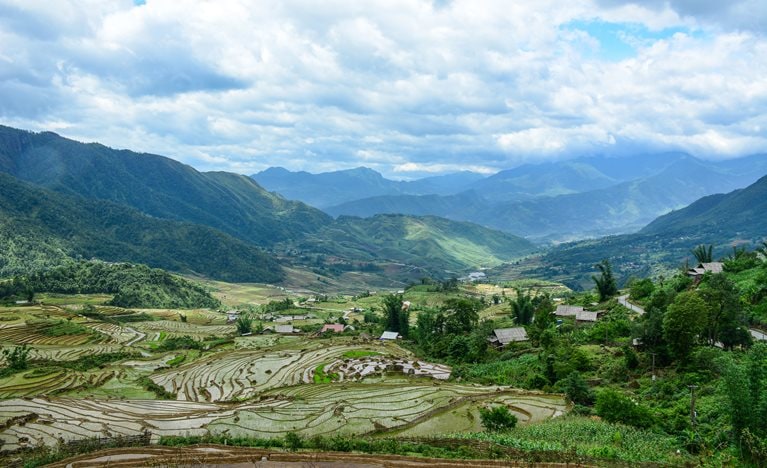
[(553, 201)]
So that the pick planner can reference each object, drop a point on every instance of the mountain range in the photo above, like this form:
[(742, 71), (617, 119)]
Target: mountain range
[(553, 201), (61, 198), (661, 247)]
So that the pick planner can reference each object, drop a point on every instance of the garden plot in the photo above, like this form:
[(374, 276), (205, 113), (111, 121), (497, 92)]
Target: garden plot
[(48, 381), (307, 410), (245, 373), (357, 369)]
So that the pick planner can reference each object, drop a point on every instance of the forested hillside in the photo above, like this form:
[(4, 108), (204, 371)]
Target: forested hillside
[(134, 286), (40, 229), (433, 243), (155, 185)]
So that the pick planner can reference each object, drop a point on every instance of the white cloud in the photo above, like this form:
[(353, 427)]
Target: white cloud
[(397, 85)]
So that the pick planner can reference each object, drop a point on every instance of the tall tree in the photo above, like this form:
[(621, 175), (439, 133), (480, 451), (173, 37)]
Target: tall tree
[(522, 307), (605, 282), (703, 253), (726, 322), (392, 306), (684, 322)]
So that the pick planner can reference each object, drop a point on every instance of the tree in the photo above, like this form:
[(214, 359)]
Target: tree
[(16, 359), (392, 307), (522, 308), (726, 321), (640, 289), (615, 407), (461, 315), (244, 324), (703, 254), (497, 419), (683, 322), (605, 283), (746, 393), (577, 390)]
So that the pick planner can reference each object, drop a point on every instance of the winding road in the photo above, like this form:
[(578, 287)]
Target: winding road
[(758, 335)]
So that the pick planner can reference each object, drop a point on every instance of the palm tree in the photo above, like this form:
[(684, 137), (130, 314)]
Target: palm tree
[(605, 283), (703, 254)]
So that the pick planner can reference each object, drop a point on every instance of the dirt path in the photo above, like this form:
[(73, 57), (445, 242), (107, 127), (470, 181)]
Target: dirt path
[(139, 336), (236, 457)]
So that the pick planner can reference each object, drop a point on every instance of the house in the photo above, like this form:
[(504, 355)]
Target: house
[(285, 329), (390, 335), (332, 327), (586, 316), (232, 316), (703, 268), (503, 336), (568, 310)]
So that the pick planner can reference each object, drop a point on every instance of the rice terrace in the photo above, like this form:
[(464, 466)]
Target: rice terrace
[(96, 370)]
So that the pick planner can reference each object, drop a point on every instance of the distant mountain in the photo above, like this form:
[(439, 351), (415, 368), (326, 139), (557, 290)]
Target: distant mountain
[(65, 199), (665, 243), (738, 215), (618, 208), (40, 228), (155, 185), (429, 242), (333, 188)]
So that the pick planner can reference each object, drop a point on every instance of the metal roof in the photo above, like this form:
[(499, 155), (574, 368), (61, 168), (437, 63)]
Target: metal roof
[(508, 335)]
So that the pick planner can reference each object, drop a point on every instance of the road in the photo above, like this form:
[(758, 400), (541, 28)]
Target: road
[(624, 301), (758, 335)]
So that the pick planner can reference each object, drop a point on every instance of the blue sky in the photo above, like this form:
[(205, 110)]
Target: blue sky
[(406, 87)]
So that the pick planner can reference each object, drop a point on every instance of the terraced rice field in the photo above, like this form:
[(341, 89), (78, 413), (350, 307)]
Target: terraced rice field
[(50, 381), (306, 409), (23, 334), (242, 374), (71, 353), (172, 328)]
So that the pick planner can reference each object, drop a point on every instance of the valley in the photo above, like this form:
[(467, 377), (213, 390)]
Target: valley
[(211, 311)]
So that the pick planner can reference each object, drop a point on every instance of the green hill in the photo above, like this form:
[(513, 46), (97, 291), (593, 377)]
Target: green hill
[(665, 243), (133, 286), (428, 242), (156, 185), (40, 229)]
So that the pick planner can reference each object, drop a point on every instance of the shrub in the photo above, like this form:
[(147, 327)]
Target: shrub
[(615, 407), (497, 419)]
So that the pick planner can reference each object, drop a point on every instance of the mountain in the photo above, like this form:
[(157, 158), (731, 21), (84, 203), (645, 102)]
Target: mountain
[(664, 244), (155, 185), (428, 242), (41, 228), (333, 188), (618, 208), (738, 215)]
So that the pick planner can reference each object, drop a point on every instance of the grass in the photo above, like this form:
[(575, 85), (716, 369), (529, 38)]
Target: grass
[(591, 438), (359, 353)]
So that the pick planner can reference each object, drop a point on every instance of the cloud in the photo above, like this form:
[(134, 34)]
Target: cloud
[(402, 86)]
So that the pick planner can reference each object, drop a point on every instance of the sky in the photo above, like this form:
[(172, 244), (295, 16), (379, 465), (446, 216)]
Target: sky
[(406, 87)]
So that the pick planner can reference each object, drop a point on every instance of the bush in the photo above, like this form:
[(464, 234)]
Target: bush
[(497, 419), (614, 407)]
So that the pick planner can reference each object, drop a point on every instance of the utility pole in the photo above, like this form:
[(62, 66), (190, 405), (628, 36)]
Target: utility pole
[(693, 414), (653, 366)]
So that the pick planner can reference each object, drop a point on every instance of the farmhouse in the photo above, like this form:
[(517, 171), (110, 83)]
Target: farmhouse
[(390, 335), (332, 327), (503, 336), (568, 310), (703, 268), (587, 317)]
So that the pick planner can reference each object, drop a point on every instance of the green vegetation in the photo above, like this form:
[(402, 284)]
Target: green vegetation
[(359, 353), (497, 419), (132, 285)]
